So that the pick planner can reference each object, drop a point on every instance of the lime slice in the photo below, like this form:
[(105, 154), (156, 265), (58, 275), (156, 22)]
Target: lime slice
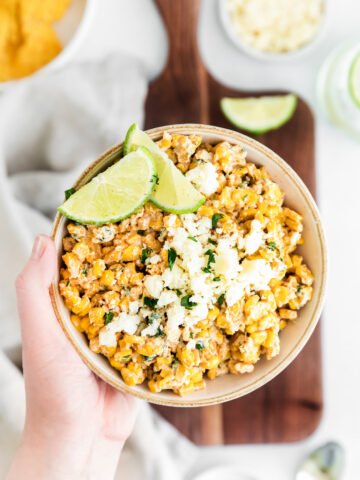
[(354, 80), (116, 193), (173, 193), (258, 115)]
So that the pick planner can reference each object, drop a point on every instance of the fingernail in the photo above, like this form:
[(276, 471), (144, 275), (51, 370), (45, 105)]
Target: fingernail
[(38, 248)]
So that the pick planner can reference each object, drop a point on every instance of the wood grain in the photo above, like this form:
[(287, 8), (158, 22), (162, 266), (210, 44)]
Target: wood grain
[(288, 408)]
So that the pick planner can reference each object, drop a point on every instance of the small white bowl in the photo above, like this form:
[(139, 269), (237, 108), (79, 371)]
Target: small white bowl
[(259, 54), (71, 29), (293, 338)]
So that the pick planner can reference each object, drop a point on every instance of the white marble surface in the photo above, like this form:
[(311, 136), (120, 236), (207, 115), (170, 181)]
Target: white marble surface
[(134, 26)]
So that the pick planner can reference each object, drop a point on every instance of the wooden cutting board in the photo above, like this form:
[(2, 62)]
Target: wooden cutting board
[(288, 408)]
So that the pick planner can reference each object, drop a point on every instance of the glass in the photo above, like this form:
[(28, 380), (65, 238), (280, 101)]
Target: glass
[(333, 88)]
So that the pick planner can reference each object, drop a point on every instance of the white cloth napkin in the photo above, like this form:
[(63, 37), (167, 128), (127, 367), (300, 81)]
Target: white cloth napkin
[(51, 126)]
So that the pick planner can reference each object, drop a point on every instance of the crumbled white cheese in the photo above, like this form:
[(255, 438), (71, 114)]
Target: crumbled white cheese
[(204, 225), (106, 338), (226, 259), (167, 297), (175, 278), (234, 293), (199, 312), (255, 274), (152, 329), (194, 225), (175, 318), (171, 220), (191, 344), (276, 26), (188, 275), (134, 307), (155, 259), (203, 287), (154, 285), (204, 178), (255, 238), (123, 323), (145, 312)]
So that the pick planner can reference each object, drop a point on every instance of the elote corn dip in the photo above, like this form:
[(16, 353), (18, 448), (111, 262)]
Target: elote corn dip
[(172, 299)]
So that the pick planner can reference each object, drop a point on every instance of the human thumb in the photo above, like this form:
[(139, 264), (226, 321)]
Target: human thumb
[(32, 288)]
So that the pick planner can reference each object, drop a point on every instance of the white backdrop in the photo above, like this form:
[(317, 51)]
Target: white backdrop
[(134, 26)]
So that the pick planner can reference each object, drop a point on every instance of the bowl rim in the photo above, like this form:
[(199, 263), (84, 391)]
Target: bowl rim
[(258, 382), (242, 45), (65, 54)]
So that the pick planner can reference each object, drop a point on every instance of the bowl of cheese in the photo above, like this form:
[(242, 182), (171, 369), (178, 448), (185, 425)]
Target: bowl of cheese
[(272, 29)]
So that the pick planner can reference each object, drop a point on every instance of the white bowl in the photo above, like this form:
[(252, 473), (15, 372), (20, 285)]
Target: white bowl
[(292, 339), (71, 29), (259, 54)]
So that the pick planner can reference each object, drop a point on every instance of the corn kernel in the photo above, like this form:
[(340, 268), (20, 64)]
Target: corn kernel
[(98, 268), (131, 253), (96, 316), (107, 278)]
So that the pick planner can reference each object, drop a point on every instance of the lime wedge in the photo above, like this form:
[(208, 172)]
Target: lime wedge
[(258, 115), (173, 193), (354, 80), (116, 193)]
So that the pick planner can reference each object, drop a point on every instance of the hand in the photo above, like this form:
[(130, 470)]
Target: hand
[(75, 423)]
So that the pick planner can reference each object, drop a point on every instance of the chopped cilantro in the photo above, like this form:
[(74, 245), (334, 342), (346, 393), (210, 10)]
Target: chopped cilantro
[(221, 299), (215, 218), (199, 345), (272, 246), (144, 254), (206, 270), (68, 283), (161, 234), (171, 257), (150, 302), (69, 192), (174, 362), (125, 358), (216, 279), (85, 269), (108, 317), (191, 334), (192, 238), (155, 316), (155, 179), (179, 292), (211, 258), (213, 242), (187, 303), (148, 359), (141, 232), (245, 182), (243, 150), (160, 333)]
